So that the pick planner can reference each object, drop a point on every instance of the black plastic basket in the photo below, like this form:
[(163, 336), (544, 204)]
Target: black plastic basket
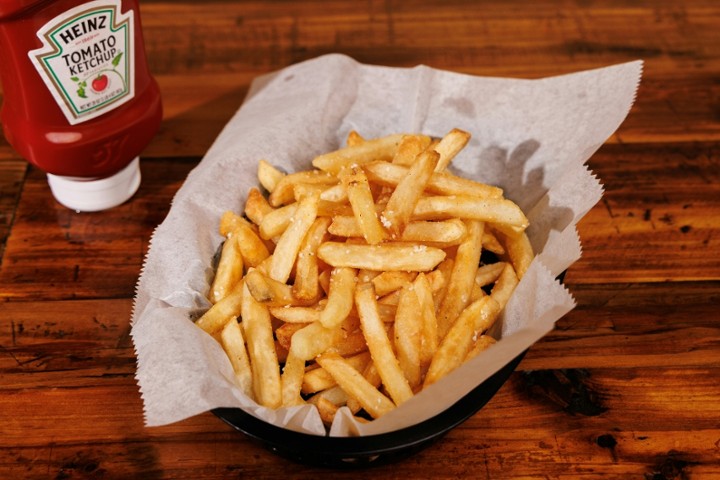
[(371, 450)]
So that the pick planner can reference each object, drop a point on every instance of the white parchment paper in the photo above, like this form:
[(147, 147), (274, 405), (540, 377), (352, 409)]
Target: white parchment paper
[(530, 137)]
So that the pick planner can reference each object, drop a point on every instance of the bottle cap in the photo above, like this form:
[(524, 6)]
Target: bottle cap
[(93, 194)]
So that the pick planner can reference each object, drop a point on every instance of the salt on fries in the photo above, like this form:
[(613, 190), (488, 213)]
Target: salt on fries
[(362, 281)]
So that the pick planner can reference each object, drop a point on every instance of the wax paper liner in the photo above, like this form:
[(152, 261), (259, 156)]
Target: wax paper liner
[(530, 137)]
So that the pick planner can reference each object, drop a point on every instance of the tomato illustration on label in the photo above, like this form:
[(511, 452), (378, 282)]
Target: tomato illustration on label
[(100, 83)]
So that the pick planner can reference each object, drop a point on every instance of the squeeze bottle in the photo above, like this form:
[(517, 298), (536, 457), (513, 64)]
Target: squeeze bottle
[(78, 98)]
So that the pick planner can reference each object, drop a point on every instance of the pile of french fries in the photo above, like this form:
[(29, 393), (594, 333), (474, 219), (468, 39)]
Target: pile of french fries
[(360, 282)]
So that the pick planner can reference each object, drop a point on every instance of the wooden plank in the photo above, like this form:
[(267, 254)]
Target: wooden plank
[(658, 217), (501, 33), (531, 459), (651, 453), (619, 325), (73, 343), (528, 429), (615, 395), (12, 175), (56, 253)]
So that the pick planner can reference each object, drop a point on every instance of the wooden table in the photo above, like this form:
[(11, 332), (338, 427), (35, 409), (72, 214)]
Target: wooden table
[(626, 386)]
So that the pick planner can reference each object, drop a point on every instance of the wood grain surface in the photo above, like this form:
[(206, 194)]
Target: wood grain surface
[(626, 386)]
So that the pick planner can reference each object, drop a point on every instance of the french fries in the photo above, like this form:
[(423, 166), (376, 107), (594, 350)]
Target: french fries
[(288, 245), (361, 200), (410, 147), (363, 152), (440, 183), (261, 350), (459, 340), (441, 233), (233, 342), (462, 277), (449, 146), (402, 202), (284, 191), (355, 385), (340, 297), (229, 270), (360, 282), (407, 335), (386, 257), (380, 348), (505, 214), (306, 284), (268, 175)]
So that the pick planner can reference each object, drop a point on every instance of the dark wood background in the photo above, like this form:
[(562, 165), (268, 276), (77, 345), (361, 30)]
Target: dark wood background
[(628, 384)]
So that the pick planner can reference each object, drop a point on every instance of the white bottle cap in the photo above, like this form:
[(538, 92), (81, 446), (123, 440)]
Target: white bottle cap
[(93, 194)]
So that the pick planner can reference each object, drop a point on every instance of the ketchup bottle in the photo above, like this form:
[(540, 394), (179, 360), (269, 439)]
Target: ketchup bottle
[(79, 100)]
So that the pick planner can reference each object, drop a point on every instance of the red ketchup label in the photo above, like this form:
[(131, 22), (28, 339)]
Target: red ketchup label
[(86, 59)]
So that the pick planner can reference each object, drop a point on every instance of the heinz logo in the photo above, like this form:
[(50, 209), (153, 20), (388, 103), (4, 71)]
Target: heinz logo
[(83, 28)]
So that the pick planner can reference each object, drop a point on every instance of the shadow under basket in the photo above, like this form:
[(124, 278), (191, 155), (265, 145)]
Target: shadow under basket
[(371, 450)]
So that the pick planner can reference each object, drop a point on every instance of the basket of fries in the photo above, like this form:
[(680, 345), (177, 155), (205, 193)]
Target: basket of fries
[(347, 294)]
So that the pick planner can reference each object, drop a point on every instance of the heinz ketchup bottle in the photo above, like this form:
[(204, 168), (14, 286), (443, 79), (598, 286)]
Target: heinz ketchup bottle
[(79, 100)]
